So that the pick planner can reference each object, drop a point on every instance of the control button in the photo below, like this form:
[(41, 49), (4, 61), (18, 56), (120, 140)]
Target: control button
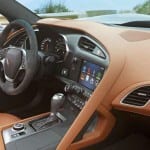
[(15, 135), (86, 94), (78, 90), (18, 134), (18, 126), (75, 60), (67, 87), (65, 72), (22, 133), (83, 103)]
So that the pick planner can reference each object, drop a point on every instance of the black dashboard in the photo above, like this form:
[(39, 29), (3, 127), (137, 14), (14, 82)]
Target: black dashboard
[(78, 57)]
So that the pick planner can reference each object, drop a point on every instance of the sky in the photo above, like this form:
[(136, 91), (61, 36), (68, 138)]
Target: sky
[(83, 5)]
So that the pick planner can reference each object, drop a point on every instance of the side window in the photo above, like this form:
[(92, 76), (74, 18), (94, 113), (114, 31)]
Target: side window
[(3, 22)]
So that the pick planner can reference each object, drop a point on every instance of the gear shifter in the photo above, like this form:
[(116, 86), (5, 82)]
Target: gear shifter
[(56, 102)]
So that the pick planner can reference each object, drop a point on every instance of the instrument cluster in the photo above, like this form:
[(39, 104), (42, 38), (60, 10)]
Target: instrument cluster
[(50, 43), (54, 45)]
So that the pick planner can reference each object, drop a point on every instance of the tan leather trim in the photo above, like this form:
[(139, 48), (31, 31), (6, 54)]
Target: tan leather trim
[(140, 110), (136, 70), (123, 70), (2, 146), (129, 65), (133, 36), (101, 33), (103, 128), (7, 119)]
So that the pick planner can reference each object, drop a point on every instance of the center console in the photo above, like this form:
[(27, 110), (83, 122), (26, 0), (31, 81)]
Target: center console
[(43, 132), (80, 77)]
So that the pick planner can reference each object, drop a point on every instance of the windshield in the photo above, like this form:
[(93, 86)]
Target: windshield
[(89, 7), (103, 11)]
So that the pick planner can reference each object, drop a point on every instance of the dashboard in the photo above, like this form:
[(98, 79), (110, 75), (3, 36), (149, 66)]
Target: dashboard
[(101, 68), (83, 57), (80, 58), (73, 58)]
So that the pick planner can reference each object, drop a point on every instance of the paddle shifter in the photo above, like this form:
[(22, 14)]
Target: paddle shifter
[(56, 102)]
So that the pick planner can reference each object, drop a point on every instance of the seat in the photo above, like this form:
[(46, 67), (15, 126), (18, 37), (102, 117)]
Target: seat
[(7, 119)]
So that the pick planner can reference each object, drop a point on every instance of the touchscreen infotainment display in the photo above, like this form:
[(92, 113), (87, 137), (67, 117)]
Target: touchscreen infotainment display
[(90, 75)]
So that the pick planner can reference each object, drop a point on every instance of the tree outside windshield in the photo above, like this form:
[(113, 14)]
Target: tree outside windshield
[(83, 8), (86, 8), (116, 6)]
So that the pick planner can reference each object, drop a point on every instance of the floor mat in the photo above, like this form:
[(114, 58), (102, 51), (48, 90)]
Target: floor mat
[(132, 142)]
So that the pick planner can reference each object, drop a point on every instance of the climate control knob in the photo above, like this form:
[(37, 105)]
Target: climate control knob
[(73, 89)]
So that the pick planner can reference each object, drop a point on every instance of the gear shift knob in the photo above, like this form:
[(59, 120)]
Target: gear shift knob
[(56, 101)]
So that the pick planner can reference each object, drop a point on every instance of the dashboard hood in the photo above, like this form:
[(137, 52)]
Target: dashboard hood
[(118, 18), (12, 10)]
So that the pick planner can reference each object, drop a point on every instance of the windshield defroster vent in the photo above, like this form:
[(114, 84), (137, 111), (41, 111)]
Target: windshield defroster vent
[(139, 97)]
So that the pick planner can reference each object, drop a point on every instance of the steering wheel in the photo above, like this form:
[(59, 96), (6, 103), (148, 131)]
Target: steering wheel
[(17, 65)]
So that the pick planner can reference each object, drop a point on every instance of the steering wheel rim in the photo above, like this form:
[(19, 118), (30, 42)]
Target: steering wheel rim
[(28, 59)]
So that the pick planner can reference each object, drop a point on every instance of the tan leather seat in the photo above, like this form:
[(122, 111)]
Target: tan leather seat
[(7, 119)]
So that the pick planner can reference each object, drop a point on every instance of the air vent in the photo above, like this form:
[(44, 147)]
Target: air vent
[(138, 97), (86, 44), (89, 46)]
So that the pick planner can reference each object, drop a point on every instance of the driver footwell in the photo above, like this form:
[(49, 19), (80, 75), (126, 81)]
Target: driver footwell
[(132, 142)]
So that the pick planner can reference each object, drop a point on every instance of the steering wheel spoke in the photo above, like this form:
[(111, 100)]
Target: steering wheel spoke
[(3, 53), (2, 61), (9, 85), (23, 65), (29, 56)]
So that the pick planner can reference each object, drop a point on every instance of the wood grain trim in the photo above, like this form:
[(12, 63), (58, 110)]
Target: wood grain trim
[(2, 145), (129, 108)]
